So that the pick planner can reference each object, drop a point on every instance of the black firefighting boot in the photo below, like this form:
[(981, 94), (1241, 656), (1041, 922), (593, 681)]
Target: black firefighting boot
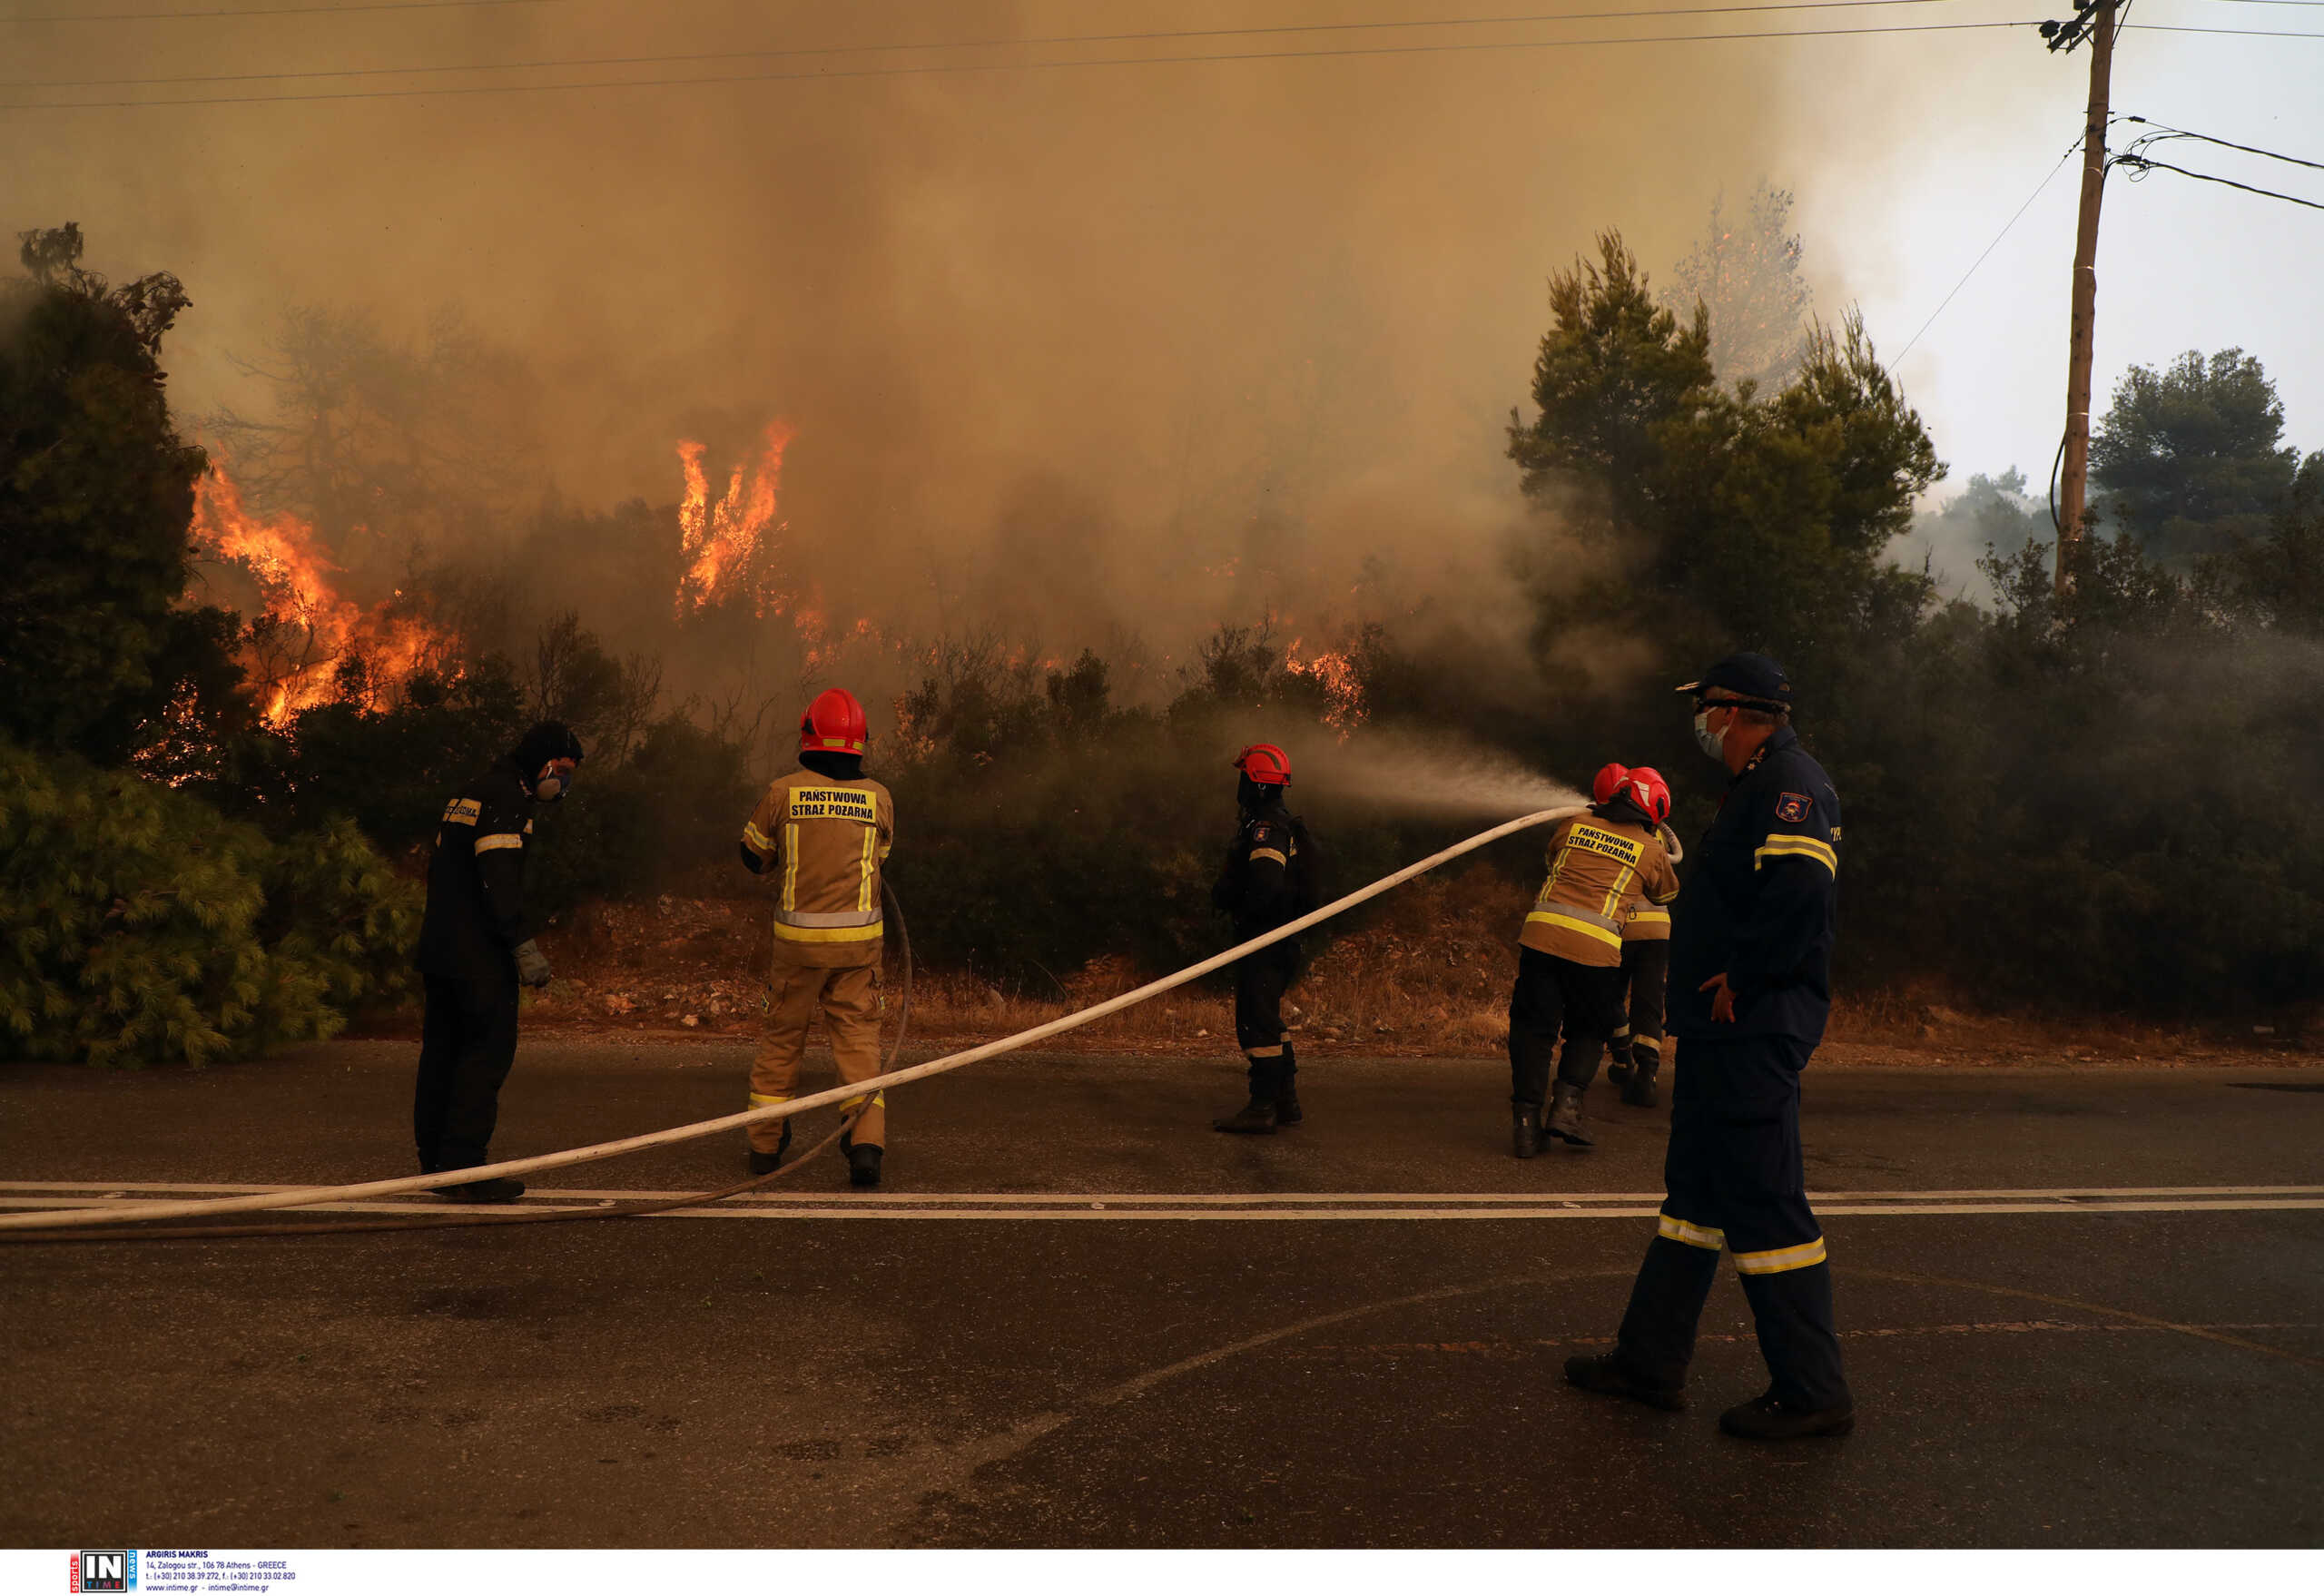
[(1769, 1417), (1257, 1116), (1565, 1117), (1287, 1111), (768, 1163), (864, 1166), (1525, 1128), (1618, 1058), (1638, 1081), (1609, 1376), (501, 1189)]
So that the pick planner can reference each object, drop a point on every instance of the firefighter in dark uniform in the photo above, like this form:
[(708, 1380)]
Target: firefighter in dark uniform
[(476, 946), (1266, 880), (1634, 1056), (1569, 954), (1751, 988)]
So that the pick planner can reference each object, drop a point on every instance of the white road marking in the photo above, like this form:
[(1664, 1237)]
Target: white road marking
[(1248, 1206)]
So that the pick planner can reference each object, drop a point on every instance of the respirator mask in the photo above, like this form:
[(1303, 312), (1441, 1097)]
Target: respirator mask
[(552, 786), (1711, 743)]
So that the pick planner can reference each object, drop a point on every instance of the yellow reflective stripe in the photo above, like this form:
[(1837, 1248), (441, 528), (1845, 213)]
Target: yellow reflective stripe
[(1798, 847), (1653, 914), (1805, 1255), (828, 933), (499, 839), (871, 868), (1259, 853), (878, 1100), (791, 864), (1670, 1229), (757, 840), (762, 1099), (1557, 915), (1273, 1052)]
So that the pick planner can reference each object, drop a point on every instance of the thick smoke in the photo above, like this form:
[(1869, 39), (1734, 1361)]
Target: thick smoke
[(1074, 356)]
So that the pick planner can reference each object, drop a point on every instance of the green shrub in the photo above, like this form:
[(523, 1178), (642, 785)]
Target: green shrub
[(139, 926)]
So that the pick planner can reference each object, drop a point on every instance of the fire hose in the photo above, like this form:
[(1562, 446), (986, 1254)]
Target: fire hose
[(307, 1196)]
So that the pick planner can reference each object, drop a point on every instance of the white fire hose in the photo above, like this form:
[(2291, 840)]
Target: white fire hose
[(127, 1213)]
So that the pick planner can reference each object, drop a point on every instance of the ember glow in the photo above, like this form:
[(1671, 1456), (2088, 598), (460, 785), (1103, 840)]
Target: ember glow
[(719, 538), (298, 646), (1343, 686)]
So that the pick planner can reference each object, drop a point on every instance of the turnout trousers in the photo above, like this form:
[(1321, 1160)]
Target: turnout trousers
[(1734, 1181), (468, 1041), (1646, 971), (1260, 980), (849, 1001), (1555, 997)]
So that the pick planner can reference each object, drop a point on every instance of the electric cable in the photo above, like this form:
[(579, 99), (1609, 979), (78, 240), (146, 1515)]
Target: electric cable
[(1056, 40), (2046, 179), (965, 68), (2141, 164), (138, 1213), (2164, 132)]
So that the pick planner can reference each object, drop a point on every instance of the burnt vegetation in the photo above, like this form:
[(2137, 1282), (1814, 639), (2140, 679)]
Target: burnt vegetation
[(2076, 803)]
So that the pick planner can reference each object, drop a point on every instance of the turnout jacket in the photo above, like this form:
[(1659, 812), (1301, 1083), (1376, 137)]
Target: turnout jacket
[(1259, 882), (825, 839), (1759, 903), (475, 879), (1648, 921), (1598, 865)]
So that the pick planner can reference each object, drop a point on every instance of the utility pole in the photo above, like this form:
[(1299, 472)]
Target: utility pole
[(2094, 20)]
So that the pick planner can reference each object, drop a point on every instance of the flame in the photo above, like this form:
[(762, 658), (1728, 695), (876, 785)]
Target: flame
[(719, 538), (307, 631), (1343, 685)]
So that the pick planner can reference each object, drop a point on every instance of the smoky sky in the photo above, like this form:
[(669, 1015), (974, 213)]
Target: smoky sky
[(1121, 347)]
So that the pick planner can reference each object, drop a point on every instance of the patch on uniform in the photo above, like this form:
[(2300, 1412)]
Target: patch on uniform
[(1791, 808), (854, 803), (1260, 833), (463, 812)]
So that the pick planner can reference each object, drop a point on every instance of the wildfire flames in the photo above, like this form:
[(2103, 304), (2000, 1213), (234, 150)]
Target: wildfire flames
[(1343, 686), (720, 538), (308, 631)]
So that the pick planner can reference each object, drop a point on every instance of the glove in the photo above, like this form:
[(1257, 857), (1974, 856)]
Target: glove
[(532, 964)]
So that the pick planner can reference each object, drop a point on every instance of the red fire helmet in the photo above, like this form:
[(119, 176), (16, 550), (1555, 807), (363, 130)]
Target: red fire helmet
[(1608, 782), (1652, 792), (833, 723), (1264, 763)]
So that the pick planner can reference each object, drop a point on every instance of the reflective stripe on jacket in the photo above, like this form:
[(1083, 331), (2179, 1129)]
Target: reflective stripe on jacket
[(826, 840)]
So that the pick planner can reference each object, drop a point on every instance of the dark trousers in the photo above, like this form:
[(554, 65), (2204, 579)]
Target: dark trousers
[(1734, 1181), (1646, 973), (1260, 981), (467, 1043), (1555, 996)]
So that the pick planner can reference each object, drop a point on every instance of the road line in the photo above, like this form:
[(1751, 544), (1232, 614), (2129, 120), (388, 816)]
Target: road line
[(1249, 1198)]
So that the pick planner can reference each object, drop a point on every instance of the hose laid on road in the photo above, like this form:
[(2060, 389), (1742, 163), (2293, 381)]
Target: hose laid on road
[(307, 1196)]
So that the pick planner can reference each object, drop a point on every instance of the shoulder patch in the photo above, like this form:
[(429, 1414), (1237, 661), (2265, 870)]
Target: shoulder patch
[(1791, 808), (1262, 832)]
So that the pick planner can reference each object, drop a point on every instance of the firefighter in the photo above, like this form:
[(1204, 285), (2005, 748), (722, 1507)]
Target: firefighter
[(1569, 953), (476, 946), (1750, 967), (1635, 1054), (824, 829), (1269, 877)]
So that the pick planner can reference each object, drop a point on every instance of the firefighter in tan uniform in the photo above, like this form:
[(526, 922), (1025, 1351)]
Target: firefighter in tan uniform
[(1569, 954), (822, 833), (1635, 1055)]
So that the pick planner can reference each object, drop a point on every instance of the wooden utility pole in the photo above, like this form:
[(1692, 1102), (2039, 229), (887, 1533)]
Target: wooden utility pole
[(2097, 23)]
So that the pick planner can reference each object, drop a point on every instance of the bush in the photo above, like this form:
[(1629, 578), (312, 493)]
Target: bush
[(139, 926)]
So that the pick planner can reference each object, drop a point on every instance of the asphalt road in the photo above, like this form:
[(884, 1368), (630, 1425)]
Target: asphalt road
[(1348, 1335)]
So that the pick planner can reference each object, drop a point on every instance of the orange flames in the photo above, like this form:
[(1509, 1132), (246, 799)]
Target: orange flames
[(1343, 686), (719, 538), (308, 631)]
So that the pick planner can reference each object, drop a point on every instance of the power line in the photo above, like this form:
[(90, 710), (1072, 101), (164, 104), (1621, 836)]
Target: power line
[(1053, 40), (2166, 27), (2046, 179), (2164, 132), (2141, 164), (966, 67)]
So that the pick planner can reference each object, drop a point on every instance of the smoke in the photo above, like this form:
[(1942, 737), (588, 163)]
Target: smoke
[(1407, 773), (1074, 355)]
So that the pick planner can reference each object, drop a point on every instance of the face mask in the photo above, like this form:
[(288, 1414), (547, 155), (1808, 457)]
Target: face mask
[(551, 787), (1711, 743)]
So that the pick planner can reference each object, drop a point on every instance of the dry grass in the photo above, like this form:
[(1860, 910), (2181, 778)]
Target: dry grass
[(1428, 973)]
